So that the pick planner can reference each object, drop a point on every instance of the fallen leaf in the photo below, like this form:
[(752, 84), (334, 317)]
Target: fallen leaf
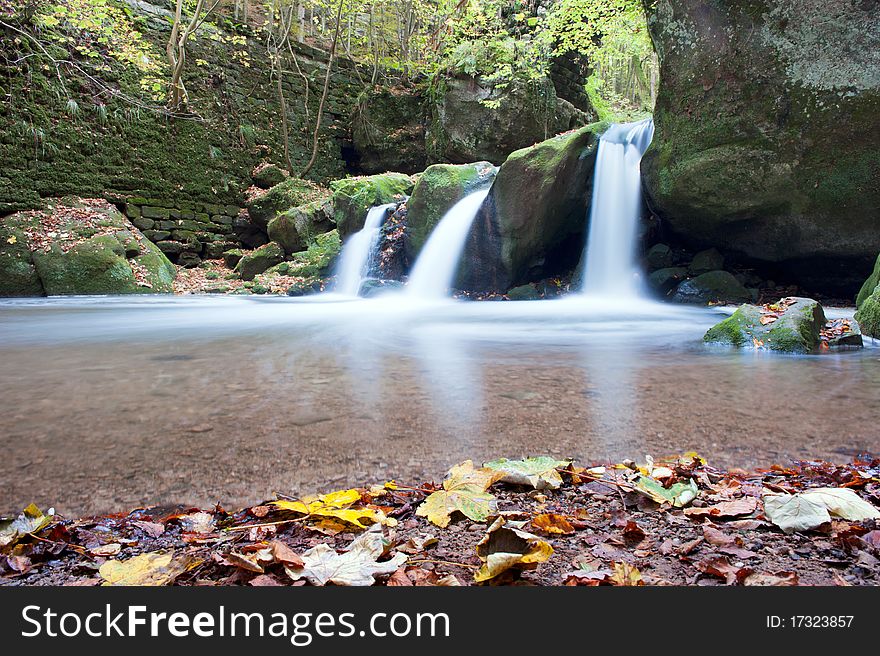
[(792, 512), (721, 567), (735, 508), (778, 579), (355, 566), (11, 240), (199, 522), (283, 554), (508, 547), (145, 569), (153, 529), (265, 581), (553, 524), (106, 549), (679, 494), (464, 491), (625, 574), (418, 543), (538, 472), (843, 502), (30, 520), (336, 507)]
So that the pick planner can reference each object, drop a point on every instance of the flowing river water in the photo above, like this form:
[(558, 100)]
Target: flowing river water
[(112, 403)]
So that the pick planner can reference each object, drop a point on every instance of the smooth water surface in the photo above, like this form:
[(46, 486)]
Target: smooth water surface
[(111, 403)]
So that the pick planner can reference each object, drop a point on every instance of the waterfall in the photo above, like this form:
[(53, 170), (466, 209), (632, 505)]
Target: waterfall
[(435, 268), (357, 255), (609, 256)]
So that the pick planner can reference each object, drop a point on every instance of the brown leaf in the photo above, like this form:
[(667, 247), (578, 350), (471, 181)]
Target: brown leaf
[(399, 579), (265, 581), (721, 567), (553, 524), (153, 529), (285, 555), (743, 506), (687, 547)]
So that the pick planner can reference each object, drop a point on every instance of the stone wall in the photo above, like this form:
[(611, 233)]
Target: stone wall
[(113, 148)]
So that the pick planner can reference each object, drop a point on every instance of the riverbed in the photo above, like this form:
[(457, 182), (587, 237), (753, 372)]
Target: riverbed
[(116, 402)]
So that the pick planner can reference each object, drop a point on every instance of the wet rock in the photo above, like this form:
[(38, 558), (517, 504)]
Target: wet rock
[(374, 287), (439, 188), (531, 225), (524, 293), (796, 330), (665, 280), (189, 260), (870, 284), (706, 261), (714, 286), (259, 260), (313, 264), (749, 111), (215, 249), (868, 314), (659, 256), (353, 197), (232, 257)]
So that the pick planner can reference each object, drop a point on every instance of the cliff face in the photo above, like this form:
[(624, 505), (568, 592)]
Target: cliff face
[(105, 145), (767, 133)]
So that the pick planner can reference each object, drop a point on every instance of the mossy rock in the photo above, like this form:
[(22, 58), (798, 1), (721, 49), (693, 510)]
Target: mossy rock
[(267, 176), (388, 130), (353, 197), (532, 224), (296, 228), (524, 293), (706, 261), (18, 276), (82, 248), (665, 280), (314, 263), (232, 257), (796, 330), (868, 314), (659, 256), (766, 144), (292, 192), (714, 286), (439, 188), (259, 260), (870, 284)]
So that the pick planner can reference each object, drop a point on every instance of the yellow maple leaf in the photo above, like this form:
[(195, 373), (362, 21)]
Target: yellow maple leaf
[(507, 547), (146, 569), (335, 506), (11, 240), (464, 491)]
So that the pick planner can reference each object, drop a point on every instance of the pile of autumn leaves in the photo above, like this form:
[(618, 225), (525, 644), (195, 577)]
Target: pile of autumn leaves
[(247, 540)]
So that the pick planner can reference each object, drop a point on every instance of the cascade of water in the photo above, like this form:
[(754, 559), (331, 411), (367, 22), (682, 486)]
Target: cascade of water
[(435, 268), (610, 268), (357, 254)]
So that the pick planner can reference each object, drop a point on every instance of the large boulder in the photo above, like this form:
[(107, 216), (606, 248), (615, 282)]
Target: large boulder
[(792, 325), (296, 228), (532, 223), (312, 266), (766, 135), (439, 188), (388, 131), (259, 260), (79, 247), (263, 206), (870, 284), (353, 197), (868, 314), (473, 118)]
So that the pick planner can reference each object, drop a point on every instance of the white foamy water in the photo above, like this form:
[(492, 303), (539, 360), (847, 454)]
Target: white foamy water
[(611, 269), (358, 252), (435, 268)]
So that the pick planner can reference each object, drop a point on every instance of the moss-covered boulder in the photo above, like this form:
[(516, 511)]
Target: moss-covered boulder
[(706, 261), (665, 280), (870, 284), (531, 225), (439, 188), (314, 264), (267, 175), (79, 247), (475, 118), (868, 314), (296, 228), (794, 327), (353, 197), (766, 140), (659, 256), (292, 192), (388, 130), (712, 287), (259, 260)]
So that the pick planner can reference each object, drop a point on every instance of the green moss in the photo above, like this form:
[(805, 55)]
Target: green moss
[(259, 260), (437, 190), (314, 263), (293, 192), (353, 197), (796, 331), (736, 329), (868, 315)]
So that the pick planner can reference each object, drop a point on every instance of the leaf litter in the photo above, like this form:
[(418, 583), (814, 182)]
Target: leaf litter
[(678, 521)]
